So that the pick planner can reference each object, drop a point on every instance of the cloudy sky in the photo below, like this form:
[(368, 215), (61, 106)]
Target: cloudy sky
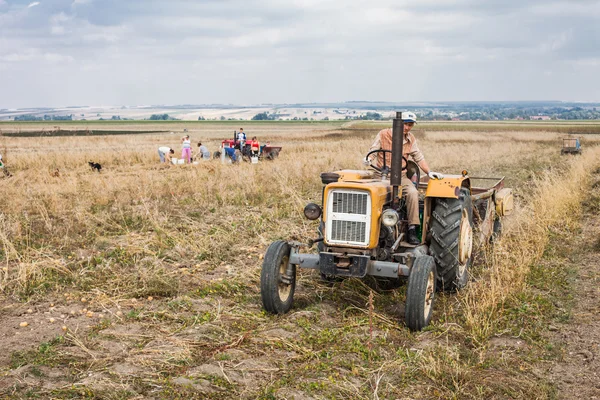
[(136, 52)]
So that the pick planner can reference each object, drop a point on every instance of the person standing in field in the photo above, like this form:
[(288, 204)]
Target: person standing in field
[(186, 151), (383, 140), (241, 137), (164, 153), (203, 152)]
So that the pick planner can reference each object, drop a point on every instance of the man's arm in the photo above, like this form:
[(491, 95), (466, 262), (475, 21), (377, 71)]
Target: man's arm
[(420, 160), (418, 156), (424, 166), (376, 144)]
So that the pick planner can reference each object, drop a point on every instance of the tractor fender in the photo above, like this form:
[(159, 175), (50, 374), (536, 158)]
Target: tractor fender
[(448, 187)]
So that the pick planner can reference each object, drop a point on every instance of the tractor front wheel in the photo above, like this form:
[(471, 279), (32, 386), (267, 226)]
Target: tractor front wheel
[(420, 293), (277, 284), (452, 240)]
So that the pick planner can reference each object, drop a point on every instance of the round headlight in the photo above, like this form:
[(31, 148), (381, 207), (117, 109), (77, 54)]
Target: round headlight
[(389, 217), (312, 211)]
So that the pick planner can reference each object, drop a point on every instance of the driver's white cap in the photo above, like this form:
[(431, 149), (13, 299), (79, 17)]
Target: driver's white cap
[(408, 116)]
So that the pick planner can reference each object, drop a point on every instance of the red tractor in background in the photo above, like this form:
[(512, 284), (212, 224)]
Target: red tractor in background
[(231, 148)]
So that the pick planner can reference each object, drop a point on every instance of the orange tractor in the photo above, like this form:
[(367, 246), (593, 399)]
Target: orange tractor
[(363, 227)]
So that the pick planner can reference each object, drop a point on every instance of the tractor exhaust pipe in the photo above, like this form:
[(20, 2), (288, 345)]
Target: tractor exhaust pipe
[(396, 167)]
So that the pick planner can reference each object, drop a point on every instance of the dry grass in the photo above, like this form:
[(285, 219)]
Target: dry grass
[(556, 204), (191, 237)]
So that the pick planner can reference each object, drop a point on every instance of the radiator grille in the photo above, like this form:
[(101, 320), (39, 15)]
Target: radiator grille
[(350, 203), (348, 231), (349, 217)]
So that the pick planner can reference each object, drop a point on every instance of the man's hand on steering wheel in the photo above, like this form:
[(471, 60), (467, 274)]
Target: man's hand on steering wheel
[(367, 161)]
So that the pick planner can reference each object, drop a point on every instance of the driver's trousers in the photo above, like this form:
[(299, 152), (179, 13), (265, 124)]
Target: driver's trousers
[(411, 194)]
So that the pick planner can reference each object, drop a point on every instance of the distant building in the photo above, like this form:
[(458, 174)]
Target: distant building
[(540, 117)]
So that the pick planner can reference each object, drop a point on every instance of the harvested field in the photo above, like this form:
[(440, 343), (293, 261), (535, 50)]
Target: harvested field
[(142, 281)]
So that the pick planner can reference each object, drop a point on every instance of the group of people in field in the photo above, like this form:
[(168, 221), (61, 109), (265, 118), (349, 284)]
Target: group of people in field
[(254, 144), (165, 153)]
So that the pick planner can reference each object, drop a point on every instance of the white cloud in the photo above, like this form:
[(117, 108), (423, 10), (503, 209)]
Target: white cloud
[(35, 55), (253, 51), (58, 22)]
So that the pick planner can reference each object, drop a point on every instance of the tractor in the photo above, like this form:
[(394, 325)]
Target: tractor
[(363, 230), (571, 146)]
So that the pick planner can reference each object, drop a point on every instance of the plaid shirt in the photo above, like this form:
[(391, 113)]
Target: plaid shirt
[(383, 140)]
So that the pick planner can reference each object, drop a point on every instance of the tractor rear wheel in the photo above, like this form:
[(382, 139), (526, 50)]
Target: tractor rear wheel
[(277, 289), (420, 293), (452, 240)]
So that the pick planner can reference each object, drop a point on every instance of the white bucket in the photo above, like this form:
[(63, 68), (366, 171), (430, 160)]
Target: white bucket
[(254, 160), (181, 161), (173, 161)]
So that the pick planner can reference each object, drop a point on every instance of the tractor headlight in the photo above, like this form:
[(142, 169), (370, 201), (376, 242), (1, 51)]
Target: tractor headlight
[(389, 217), (312, 211)]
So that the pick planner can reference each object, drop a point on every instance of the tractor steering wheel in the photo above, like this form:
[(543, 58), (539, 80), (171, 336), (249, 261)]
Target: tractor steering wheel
[(384, 168)]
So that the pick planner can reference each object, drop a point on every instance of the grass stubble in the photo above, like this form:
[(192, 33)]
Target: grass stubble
[(168, 258)]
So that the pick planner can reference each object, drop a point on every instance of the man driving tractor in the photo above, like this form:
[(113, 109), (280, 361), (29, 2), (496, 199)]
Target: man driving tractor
[(383, 140)]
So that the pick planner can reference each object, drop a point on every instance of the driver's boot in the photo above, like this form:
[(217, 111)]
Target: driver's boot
[(412, 235)]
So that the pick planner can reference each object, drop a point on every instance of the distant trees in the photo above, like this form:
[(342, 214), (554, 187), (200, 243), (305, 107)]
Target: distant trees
[(371, 116), (201, 118), (31, 117), (161, 117), (265, 116), (28, 117)]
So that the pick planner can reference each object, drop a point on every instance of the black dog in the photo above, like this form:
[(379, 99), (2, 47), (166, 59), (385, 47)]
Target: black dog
[(95, 166)]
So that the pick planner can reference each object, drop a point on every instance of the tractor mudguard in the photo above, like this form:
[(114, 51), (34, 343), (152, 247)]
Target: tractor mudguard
[(448, 187), (504, 201)]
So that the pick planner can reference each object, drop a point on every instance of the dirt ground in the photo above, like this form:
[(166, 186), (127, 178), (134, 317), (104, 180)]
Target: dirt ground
[(577, 376)]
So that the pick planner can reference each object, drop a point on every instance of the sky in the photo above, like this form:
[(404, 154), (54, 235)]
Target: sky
[(139, 52)]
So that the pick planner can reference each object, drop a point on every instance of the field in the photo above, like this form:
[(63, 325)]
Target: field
[(142, 281)]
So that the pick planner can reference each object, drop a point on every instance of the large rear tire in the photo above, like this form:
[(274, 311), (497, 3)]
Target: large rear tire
[(277, 295), (452, 240), (420, 293)]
